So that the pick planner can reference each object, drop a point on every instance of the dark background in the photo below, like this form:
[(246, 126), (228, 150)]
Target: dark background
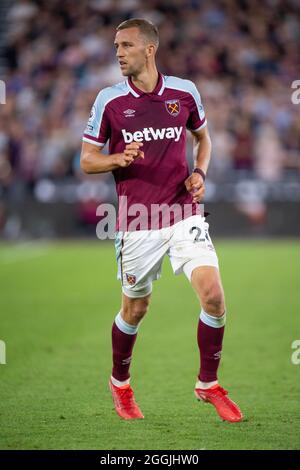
[(243, 56)]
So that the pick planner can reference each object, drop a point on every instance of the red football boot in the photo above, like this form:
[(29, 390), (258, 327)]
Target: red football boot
[(125, 405), (217, 396)]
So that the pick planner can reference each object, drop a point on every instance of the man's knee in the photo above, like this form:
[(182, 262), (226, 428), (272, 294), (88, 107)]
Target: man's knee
[(135, 309), (207, 282), (212, 299)]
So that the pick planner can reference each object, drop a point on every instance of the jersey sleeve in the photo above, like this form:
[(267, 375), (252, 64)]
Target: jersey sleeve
[(196, 119), (97, 130)]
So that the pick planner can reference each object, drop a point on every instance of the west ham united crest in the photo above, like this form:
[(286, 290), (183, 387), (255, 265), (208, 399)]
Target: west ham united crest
[(131, 279), (173, 107)]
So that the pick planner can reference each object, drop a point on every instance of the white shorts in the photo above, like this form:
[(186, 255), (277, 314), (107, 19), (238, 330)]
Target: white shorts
[(140, 254)]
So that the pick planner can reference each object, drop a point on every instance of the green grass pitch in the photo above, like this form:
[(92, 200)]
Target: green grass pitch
[(57, 305)]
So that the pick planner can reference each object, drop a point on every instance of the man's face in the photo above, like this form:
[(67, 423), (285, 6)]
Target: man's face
[(131, 51)]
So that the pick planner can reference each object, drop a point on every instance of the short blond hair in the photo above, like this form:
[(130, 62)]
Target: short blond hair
[(146, 28)]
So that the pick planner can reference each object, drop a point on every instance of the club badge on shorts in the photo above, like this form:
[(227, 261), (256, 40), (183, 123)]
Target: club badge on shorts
[(173, 107), (131, 279)]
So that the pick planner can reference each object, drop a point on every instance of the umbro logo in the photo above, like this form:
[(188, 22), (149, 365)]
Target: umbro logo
[(126, 361), (129, 112), (217, 355)]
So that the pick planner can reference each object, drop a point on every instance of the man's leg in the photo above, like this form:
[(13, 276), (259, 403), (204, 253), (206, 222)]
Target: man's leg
[(124, 333), (206, 281)]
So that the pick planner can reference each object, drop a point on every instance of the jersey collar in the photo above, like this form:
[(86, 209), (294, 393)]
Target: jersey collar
[(158, 90)]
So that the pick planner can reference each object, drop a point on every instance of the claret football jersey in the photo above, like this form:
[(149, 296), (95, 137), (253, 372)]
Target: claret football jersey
[(123, 113)]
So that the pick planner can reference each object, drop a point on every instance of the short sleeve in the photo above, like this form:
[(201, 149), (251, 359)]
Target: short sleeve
[(97, 130), (197, 118)]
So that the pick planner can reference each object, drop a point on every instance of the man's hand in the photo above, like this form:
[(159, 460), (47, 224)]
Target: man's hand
[(131, 152), (195, 185)]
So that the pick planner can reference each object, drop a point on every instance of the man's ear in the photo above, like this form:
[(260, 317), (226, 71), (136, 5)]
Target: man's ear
[(150, 50)]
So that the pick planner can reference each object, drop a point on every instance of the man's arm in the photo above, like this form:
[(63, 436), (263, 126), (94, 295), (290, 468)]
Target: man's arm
[(92, 160), (202, 150)]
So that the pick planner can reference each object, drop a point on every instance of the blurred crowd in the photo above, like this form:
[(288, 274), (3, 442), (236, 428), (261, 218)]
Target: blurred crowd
[(242, 54)]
